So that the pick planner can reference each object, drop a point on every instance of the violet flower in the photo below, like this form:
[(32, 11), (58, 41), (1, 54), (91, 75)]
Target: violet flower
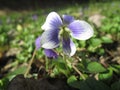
[(34, 17), (48, 52), (58, 29)]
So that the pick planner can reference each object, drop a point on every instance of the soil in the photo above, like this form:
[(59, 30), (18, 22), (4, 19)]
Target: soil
[(21, 83)]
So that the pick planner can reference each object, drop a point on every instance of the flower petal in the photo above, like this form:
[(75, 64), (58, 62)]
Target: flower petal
[(67, 19), (73, 48), (50, 53), (81, 30), (37, 42), (68, 47), (49, 39), (53, 21)]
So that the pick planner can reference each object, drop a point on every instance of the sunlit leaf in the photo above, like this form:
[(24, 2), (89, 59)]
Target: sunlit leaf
[(95, 67), (71, 79), (96, 42), (106, 75), (106, 39)]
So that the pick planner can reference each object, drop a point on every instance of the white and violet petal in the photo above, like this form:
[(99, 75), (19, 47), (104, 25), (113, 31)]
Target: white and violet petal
[(73, 48), (81, 30), (68, 47), (67, 19), (53, 21), (37, 43), (50, 53), (49, 39)]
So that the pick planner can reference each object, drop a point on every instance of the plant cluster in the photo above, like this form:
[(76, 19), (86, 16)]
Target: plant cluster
[(81, 62)]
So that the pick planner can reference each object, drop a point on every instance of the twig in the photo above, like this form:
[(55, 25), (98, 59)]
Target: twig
[(30, 63), (9, 66), (75, 68)]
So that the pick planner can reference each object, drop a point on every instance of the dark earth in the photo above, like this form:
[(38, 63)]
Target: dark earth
[(21, 83)]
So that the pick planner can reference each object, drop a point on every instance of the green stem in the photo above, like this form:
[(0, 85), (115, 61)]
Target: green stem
[(65, 59), (46, 63)]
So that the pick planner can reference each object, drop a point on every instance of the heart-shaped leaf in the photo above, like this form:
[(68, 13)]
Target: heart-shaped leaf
[(95, 67)]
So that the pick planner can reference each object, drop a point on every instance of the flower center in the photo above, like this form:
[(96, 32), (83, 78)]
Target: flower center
[(64, 32)]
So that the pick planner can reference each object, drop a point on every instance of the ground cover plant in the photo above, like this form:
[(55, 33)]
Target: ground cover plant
[(93, 65)]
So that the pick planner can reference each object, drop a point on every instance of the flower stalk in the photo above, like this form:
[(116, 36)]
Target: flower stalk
[(75, 68), (30, 63)]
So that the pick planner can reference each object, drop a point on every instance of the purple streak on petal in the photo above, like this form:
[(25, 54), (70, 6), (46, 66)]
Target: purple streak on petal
[(49, 39), (37, 42), (81, 30), (50, 53), (67, 19), (53, 21), (66, 46)]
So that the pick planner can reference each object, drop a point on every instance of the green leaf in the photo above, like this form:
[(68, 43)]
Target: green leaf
[(96, 42), (101, 51), (92, 49), (20, 70), (62, 68), (95, 67), (88, 84), (106, 39), (71, 79), (113, 30), (106, 75), (55, 72), (4, 83), (82, 43), (116, 68)]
